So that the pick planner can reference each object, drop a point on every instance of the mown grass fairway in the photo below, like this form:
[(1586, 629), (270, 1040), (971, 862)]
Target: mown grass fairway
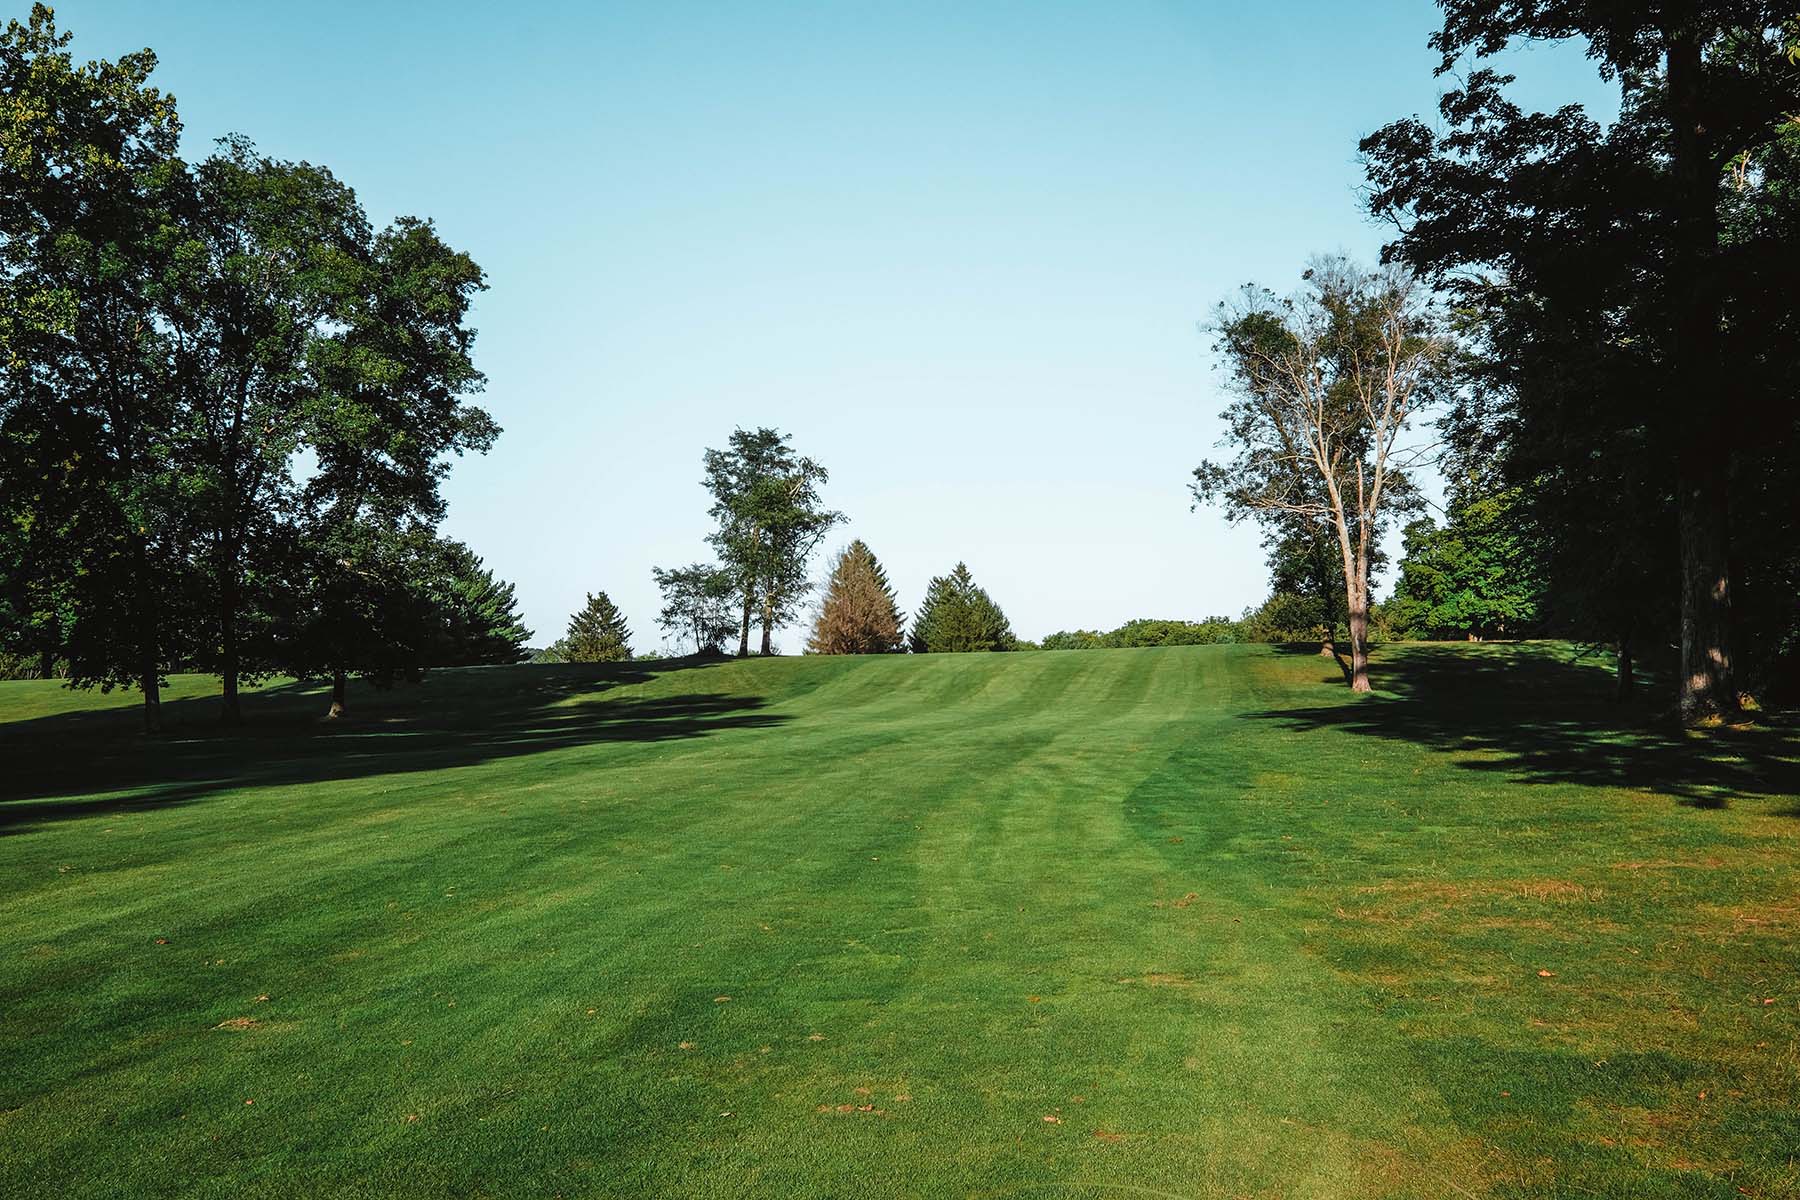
[(1183, 922)]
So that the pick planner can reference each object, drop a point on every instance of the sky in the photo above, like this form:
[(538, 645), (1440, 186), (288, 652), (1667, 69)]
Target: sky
[(961, 252)]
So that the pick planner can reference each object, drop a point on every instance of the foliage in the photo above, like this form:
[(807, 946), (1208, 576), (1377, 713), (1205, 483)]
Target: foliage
[(1147, 632), (1285, 617), (769, 519), (858, 613), (174, 339), (478, 620), (597, 633), (696, 604), (1328, 381), (958, 617), (1475, 577), (1631, 284), (88, 539)]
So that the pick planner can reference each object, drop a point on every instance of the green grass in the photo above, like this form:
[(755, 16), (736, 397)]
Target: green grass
[(1186, 922)]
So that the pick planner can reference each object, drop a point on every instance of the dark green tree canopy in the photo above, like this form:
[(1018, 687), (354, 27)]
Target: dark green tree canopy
[(597, 633), (958, 617)]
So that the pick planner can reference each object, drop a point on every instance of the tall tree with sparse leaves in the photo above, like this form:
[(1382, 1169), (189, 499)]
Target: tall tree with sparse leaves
[(1328, 382)]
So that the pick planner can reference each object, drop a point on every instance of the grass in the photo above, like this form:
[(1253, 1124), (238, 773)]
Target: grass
[(1188, 922)]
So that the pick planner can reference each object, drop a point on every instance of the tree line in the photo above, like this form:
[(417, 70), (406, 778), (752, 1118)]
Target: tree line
[(1600, 318), (227, 404)]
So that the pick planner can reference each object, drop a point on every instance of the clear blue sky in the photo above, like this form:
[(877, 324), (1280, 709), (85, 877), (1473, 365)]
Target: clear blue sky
[(960, 251)]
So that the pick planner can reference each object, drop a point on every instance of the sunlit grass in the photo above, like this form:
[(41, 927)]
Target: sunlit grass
[(1187, 922)]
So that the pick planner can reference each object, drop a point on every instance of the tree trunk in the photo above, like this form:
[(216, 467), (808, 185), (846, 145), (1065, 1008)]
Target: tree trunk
[(1626, 671), (1699, 404), (149, 676), (339, 685), (1708, 691), (47, 664), (230, 711), (744, 626), (768, 634), (152, 688), (1359, 643)]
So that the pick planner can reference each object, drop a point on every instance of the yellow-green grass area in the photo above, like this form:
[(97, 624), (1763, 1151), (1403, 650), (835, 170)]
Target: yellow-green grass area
[(1188, 922)]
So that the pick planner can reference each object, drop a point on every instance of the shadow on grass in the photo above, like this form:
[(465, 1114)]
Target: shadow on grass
[(1535, 714), (93, 763)]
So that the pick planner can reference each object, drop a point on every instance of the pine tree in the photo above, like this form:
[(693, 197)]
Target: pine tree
[(858, 614), (597, 633), (477, 612), (959, 617)]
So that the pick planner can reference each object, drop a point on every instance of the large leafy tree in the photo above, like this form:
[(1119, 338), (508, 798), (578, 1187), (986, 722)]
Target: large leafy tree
[(697, 604), (1475, 576), (858, 613), (87, 174), (957, 616), (1656, 252), (1328, 381), (271, 259), (301, 328), (770, 519)]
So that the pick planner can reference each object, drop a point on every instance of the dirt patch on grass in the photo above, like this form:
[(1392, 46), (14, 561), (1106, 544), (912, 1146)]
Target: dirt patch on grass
[(238, 1023)]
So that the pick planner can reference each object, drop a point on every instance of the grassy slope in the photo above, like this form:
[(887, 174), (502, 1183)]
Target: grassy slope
[(1238, 933)]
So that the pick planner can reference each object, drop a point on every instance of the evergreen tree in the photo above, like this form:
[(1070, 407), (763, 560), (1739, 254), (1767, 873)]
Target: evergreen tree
[(597, 633), (858, 614), (959, 617), (477, 613)]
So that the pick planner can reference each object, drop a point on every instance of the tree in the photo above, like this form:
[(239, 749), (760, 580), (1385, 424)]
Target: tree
[(858, 614), (477, 614), (301, 328), (958, 617), (1475, 577), (85, 183), (770, 518), (696, 604), (597, 633), (1328, 382), (1659, 240)]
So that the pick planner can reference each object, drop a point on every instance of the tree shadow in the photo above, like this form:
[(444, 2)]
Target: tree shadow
[(1536, 714), (92, 763)]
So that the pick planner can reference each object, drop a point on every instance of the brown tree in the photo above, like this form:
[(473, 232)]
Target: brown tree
[(857, 614)]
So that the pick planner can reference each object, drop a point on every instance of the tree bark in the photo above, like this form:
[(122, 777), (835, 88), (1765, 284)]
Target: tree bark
[(230, 592), (744, 626), (1708, 690), (149, 675), (1696, 409), (768, 634), (1626, 671), (230, 710), (339, 686), (152, 688), (1359, 642)]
